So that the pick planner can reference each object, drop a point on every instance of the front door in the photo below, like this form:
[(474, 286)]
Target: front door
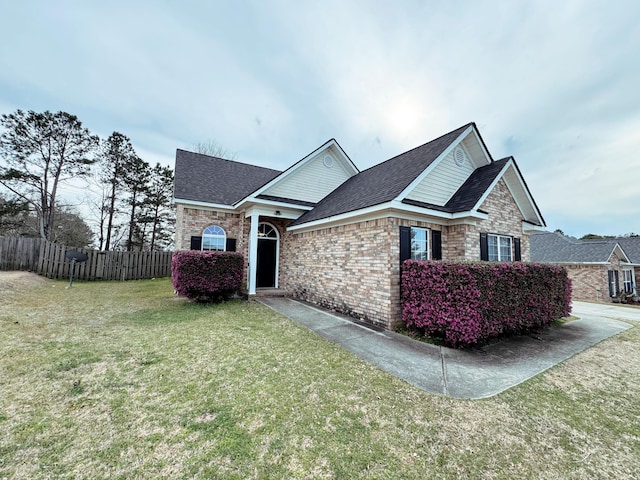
[(267, 256)]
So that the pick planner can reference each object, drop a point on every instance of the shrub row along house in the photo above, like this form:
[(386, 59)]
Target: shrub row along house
[(325, 232), (600, 270)]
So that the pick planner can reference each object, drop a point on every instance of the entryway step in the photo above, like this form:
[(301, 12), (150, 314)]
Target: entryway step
[(271, 292)]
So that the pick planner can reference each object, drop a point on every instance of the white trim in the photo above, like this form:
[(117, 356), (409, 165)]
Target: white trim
[(269, 211), (530, 227), (500, 237), (575, 263), (487, 156), (392, 209), (427, 237), (292, 210), (634, 286), (325, 146), (510, 165), (253, 254), (277, 240), (433, 164), (209, 235), (619, 247), (524, 189), (210, 206), (490, 188)]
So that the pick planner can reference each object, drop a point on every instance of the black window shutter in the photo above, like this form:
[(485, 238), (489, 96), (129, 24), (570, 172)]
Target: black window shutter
[(613, 282), (196, 243), (405, 244), (231, 245), (516, 250), (484, 247), (436, 244)]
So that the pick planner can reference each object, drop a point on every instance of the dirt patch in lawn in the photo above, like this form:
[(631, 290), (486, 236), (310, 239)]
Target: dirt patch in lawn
[(19, 281)]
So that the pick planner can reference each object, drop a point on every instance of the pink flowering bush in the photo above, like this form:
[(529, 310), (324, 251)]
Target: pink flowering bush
[(468, 303), (205, 276)]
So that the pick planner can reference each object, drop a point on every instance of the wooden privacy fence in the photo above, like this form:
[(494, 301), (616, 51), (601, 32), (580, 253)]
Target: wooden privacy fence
[(50, 261), (19, 253)]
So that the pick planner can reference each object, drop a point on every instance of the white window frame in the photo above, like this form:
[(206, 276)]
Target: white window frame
[(420, 247), (628, 280), (500, 241), (214, 233)]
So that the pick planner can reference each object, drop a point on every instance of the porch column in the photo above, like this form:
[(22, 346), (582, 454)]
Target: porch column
[(253, 254)]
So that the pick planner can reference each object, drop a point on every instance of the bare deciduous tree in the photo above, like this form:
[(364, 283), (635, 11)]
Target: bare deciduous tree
[(213, 149)]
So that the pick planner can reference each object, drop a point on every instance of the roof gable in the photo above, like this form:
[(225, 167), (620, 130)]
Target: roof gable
[(631, 246), (381, 183), (202, 178), (477, 187), (553, 247), (447, 173), (313, 177)]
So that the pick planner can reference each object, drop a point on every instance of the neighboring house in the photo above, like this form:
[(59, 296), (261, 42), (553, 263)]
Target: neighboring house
[(599, 269), (325, 232)]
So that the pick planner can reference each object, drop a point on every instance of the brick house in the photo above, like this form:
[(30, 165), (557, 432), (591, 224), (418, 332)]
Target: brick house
[(327, 233), (599, 269)]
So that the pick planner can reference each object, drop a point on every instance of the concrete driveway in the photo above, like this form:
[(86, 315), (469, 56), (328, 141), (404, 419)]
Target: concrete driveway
[(470, 374), (607, 310)]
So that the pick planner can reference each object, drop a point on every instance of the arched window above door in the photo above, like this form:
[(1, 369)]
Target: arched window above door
[(267, 231), (214, 238)]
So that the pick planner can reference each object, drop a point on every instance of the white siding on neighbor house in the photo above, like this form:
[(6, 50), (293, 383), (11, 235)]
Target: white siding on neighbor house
[(443, 181), (312, 181)]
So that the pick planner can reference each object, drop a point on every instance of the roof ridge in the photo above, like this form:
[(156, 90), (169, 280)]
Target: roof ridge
[(419, 146)]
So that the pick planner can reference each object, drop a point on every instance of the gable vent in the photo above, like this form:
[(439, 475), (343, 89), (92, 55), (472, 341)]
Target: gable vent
[(459, 157), (328, 161)]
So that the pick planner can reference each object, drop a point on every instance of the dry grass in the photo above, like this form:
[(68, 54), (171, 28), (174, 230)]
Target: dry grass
[(121, 380)]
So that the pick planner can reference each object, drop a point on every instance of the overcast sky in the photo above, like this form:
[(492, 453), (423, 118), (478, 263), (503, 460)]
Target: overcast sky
[(556, 84)]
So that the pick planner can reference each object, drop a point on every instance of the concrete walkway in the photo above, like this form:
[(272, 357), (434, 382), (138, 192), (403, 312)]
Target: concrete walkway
[(460, 373)]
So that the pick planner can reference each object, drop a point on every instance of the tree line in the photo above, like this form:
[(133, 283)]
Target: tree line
[(129, 200)]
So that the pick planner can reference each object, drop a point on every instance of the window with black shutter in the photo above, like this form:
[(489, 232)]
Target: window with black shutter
[(405, 244), (436, 244), (484, 247), (613, 283), (415, 244), (196, 243), (517, 254)]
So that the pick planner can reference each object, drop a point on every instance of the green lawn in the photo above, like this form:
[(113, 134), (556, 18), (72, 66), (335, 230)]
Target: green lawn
[(123, 380)]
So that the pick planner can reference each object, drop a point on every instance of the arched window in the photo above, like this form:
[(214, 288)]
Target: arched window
[(214, 238), (267, 231)]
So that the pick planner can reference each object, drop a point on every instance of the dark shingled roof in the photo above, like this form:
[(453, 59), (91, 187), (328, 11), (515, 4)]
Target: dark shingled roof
[(469, 192), (553, 247), (476, 185), (380, 183), (208, 179), (631, 246)]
